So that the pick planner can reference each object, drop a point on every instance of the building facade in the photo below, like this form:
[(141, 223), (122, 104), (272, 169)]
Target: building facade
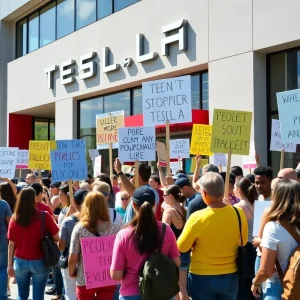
[(63, 62)]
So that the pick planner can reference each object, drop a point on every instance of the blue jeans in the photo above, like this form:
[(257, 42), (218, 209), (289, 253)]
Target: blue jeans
[(272, 289), (24, 271), (213, 287), (3, 269), (130, 297)]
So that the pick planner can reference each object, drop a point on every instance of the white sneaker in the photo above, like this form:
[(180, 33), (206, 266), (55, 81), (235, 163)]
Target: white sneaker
[(8, 293)]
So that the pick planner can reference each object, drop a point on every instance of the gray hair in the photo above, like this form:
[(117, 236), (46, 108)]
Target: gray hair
[(212, 183), (210, 168)]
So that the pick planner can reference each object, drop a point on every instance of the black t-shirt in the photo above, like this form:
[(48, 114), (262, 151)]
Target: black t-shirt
[(195, 205)]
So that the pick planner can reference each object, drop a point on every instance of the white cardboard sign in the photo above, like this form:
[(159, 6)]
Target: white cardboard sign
[(167, 99), (220, 159), (97, 165), (249, 161), (137, 143), (276, 141), (259, 208), (8, 162), (180, 148)]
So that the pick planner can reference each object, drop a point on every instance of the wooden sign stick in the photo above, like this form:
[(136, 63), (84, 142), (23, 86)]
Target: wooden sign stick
[(282, 159), (39, 174), (179, 163), (70, 183), (250, 171), (220, 168), (136, 174), (168, 171), (20, 174), (227, 175), (110, 161)]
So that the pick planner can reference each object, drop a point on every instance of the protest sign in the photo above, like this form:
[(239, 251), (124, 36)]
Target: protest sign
[(220, 160), (167, 99), (201, 139), (39, 155), (22, 161), (93, 154), (259, 208), (107, 126), (180, 148), (137, 144), (8, 161), (161, 152), (68, 161), (97, 254), (97, 165), (276, 141), (174, 166), (231, 131), (288, 108), (204, 161), (249, 162)]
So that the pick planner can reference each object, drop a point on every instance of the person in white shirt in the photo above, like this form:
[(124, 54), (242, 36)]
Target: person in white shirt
[(276, 242)]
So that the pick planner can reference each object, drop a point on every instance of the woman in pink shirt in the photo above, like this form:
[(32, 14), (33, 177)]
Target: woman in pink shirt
[(137, 241)]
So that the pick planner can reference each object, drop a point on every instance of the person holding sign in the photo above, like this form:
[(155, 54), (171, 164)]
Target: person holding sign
[(130, 251), (95, 221)]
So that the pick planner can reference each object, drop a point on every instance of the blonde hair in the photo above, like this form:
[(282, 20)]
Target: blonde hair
[(94, 209), (101, 187)]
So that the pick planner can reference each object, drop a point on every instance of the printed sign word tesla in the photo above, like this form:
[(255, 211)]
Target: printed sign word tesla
[(88, 67)]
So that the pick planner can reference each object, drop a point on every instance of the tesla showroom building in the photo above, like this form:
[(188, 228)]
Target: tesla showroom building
[(65, 61)]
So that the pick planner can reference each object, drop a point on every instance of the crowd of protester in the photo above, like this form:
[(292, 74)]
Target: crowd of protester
[(202, 238)]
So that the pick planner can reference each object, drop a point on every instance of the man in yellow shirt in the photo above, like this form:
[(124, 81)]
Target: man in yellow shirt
[(213, 235)]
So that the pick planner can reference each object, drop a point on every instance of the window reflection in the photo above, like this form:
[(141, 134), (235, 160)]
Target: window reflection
[(47, 24), (118, 101), (65, 17), (85, 12), (104, 8), (205, 95), (88, 111), (195, 82), (33, 32), (137, 104), (22, 38), (120, 4)]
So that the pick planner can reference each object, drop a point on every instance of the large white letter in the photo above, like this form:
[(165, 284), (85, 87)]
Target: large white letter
[(106, 66), (65, 71), (88, 68), (140, 51), (49, 73), (180, 37)]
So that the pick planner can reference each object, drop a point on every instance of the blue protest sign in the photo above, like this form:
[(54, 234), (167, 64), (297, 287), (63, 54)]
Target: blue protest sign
[(289, 106), (68, 160)]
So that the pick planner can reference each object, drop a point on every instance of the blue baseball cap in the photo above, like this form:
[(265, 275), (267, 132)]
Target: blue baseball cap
[(143, 194), (182, 181)]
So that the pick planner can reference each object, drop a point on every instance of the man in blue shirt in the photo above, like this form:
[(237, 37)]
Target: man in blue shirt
[(144, 176)]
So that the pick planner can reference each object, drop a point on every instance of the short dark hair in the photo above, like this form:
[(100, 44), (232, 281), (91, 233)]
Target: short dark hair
[(115, 177), (179, 172), (251, 177), (264, 171), (38, 188), (156, 179), (144, 172), (237, 171)]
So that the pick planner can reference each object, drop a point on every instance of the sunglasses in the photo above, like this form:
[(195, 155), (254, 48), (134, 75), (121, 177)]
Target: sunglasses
[(124, 199)]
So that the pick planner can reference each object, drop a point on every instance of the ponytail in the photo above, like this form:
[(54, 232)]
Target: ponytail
[(248, 189), (252, 193), (145, 233)]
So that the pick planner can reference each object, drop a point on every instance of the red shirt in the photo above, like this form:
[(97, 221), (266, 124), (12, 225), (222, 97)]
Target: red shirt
[(158, 211), (44, 207), (28, 240)]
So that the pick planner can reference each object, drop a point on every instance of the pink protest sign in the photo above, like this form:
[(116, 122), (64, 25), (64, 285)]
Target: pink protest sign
[(22, 161), (97, 253)]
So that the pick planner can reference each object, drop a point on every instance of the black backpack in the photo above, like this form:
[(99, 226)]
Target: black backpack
[(159, 275)]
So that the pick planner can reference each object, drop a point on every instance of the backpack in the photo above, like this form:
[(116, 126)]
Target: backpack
[(159, 275), (291, 278)]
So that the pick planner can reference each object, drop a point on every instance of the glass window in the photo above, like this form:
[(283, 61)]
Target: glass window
[(22, 38), (52, 130), (118, 101), (104, 8), (120, 4), (41, 129), (205, 96), (65, 17), (85, 12), (88, 111), (195, 80), (90, 142), (33, 32), (47, 24), (137, 104)]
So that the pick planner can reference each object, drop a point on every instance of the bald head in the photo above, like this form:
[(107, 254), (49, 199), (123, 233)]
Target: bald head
[(274, 183), (287, 173)]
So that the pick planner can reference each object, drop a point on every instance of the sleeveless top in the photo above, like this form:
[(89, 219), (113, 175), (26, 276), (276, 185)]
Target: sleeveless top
[(177, 232)]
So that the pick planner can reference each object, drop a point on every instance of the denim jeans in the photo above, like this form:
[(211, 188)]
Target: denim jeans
[(58, 281), (3, 268), (213, 287), (130, 297), (117, 292), (272, 289), (24, 271), (256, 268)]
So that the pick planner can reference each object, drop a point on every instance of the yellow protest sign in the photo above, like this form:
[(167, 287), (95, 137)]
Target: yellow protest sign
[(193, 163), (107, 127), (39, 155), (201, 137), (231, 129)]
